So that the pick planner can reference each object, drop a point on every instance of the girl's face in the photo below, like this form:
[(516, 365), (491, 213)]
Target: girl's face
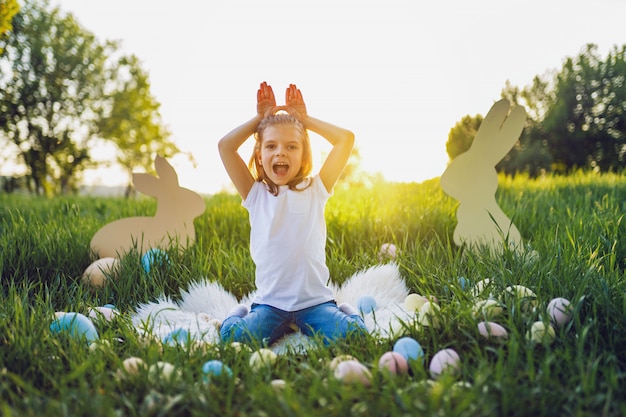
[(281, 152)]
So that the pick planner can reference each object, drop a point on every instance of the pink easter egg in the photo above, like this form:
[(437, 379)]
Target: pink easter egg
[(393, 362), (387, 251), (489, 329), (559, 311), (446, 360)]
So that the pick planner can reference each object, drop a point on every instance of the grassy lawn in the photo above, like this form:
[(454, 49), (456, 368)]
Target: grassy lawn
[(574, 223)]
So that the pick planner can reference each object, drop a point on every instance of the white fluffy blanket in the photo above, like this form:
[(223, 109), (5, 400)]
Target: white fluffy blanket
[(205, 304)]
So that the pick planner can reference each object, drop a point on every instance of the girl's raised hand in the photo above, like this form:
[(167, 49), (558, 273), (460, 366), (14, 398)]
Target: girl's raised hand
[(265, 100), (295, 103)]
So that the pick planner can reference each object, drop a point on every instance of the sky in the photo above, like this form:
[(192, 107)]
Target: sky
[(398, 73)]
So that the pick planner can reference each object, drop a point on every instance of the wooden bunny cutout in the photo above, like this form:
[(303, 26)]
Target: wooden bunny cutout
[(177, 207), (471, 178)]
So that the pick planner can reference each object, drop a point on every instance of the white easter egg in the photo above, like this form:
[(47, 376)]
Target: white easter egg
[(526, 296), (338, 359), (262, 358), (413, 302), (278, 384), (488, 329), (163, 371), (487, 309), (446, 360), (481, 288), (541, 333), (429, 315), (353, 372), (559, 311), (106, 313), (99, 272), (133, 365)]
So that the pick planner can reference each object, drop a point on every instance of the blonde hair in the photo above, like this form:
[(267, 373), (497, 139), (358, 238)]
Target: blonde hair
[(307, 158)]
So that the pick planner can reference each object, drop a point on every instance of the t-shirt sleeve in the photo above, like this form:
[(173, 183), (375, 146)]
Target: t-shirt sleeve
[(253, 195)]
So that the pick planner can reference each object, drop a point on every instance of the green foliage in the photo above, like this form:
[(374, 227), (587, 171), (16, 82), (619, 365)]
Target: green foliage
[(575, 118), (132, 120), (50, 94), (574, 223), (8, 9), (462, 134), (62, 91)]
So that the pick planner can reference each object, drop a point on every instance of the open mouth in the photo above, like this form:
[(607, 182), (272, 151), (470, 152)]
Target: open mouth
[(280, 168)]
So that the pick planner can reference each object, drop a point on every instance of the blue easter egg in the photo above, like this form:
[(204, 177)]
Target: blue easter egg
[(366, 304), (215, 368), (463, 283), (409, 348), (154, 258), (77, 325), (176, 337)]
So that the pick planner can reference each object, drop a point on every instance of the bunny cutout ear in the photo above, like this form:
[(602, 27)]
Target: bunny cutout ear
[(153, 186), (498, 132)]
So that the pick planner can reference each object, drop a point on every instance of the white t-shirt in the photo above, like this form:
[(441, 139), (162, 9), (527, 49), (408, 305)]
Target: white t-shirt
[(287, 244)]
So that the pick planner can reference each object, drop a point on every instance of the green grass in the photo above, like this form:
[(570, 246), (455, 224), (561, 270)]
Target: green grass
[(575, 224)]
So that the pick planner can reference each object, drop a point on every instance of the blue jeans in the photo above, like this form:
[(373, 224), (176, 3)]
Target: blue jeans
[(266, 324)]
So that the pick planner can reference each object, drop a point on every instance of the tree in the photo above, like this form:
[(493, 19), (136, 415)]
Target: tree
[(8, 9), (462, 134), (585, 125), (577, 115), (131, 119), (64, 91), (51, 95)]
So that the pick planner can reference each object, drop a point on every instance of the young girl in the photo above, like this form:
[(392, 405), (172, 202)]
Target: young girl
[(288, 230)]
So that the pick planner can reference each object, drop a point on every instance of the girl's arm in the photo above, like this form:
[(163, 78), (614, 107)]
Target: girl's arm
[(229, 145), (341, 139)]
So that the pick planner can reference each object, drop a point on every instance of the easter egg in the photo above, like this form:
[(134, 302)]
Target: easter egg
[(278, 384), (387, 251), (409, 348), (262, 358), (541, 333), (481, 288), (488, 329), (446, 360), (429, 315), (215, 369), (393, 362), (526, 297), (559, 311), (163, 371), (240, 347), (338, 359), (177, 337), (99, 272), (154, 258), (106, 313), (133, 365), (463, 283), (487, 309), (77, 325), (366, 304), (353, 372), (413, 302)]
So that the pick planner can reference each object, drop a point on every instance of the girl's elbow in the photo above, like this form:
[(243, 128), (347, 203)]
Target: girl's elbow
[(349, 137)]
